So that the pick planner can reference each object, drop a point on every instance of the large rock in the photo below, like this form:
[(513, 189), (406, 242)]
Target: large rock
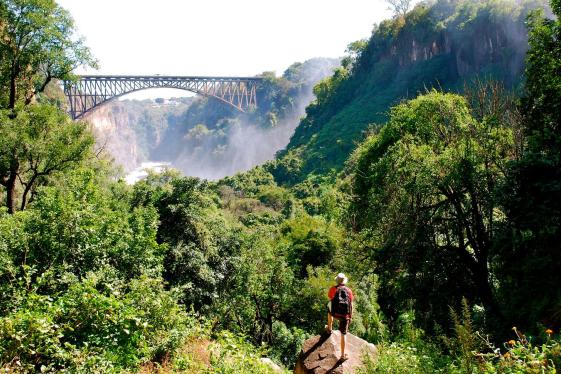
[(321, 354), (270, 363)]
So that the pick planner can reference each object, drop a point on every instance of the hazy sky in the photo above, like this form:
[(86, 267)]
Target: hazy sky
[(218, 37)]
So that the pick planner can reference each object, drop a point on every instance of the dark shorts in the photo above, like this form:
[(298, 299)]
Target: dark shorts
[(344, 325), (343, 322)]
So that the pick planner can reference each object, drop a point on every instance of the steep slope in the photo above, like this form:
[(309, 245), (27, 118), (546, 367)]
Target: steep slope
[(444, 44)]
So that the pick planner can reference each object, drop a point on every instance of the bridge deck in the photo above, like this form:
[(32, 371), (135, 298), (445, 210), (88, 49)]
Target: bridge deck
[(167, 77), (90, 91)]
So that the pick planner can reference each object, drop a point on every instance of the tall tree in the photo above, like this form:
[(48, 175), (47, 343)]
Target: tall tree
[(37, 45), (424, 200), (39, 142), (531, 252)]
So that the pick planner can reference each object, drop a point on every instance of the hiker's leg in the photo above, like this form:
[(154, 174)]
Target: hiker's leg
[(329, 322), (343, 328)]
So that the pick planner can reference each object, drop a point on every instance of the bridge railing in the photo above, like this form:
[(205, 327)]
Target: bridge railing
[(91, 91)]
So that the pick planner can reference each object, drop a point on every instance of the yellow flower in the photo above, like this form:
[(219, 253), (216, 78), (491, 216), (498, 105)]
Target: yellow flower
[(506, 356), (511, 342), (549, 332)]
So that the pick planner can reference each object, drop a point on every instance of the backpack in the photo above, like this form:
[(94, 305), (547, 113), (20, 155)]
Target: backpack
[(341, 303)]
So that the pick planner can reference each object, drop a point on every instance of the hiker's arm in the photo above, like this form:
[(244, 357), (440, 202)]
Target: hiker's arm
[(352, 303)]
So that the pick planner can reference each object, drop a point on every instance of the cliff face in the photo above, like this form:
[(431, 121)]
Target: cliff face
[(474, 35), (113, 131), (130, 130), (488, 47), (444, 45)]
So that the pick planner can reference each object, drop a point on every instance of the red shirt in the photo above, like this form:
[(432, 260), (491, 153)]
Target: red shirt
[(333, 289), (331, 294)]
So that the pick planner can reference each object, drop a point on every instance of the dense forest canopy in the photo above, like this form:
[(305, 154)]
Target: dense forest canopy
[(445, 214)]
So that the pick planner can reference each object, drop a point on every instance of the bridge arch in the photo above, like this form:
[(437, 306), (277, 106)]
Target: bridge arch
[(90, 91)]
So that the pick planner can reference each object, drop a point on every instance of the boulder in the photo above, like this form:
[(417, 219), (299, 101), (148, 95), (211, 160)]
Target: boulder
[(270, 363), (321, 354)]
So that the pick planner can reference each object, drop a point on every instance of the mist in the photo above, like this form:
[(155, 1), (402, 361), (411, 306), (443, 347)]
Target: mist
[(247, 145), (203, 137), (214, 146)]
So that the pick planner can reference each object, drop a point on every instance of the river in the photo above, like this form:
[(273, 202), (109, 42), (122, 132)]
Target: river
[(141, 172)]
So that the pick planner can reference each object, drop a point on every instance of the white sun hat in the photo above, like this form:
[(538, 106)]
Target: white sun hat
[(341, 279)]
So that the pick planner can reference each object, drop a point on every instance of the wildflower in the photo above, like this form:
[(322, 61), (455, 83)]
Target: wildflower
[(549, 332), (511, 342), (506, 356)]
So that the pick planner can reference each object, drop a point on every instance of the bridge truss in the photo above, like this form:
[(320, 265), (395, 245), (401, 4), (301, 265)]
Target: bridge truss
[(91, 91)]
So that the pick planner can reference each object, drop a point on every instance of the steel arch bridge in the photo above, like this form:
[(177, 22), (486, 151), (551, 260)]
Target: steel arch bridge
[(91, 91)]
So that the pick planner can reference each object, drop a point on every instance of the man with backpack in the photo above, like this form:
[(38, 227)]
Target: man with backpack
[(341, 308)]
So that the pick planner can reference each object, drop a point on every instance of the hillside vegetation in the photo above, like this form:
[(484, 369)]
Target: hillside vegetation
[(442, 44), (445, 218)]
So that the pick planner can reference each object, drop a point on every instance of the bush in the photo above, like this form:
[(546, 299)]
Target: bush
[(402, 358), (233, 354), (121, 326), (79, 227), (522, 356), (287, 343)]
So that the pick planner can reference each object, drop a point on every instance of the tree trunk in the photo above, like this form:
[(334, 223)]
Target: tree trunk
[(13, 90), (10, 184), (28, 186), (481, 280), (11, 193)]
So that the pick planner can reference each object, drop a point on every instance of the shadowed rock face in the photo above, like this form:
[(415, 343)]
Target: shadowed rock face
[(320, 354)]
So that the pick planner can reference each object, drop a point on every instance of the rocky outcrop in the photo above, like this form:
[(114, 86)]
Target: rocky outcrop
[(270, 363), (321, 354), (114, 131)]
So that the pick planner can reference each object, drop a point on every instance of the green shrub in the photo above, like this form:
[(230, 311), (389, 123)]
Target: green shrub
[(287, 343), (522, 356), (233, 354), (121, 326), (402, 358)]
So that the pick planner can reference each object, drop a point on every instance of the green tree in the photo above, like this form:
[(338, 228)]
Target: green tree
[(202, 245), (37, 45), (39, 142), (530, 255), (399, 7), (262, 291), (426, 206)]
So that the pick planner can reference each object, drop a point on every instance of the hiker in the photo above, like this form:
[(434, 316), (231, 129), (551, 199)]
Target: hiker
[(340, 306)]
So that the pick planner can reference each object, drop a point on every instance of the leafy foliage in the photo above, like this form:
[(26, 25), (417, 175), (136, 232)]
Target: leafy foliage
[(40, 142), (93, 325), (436, 45), (529, 254), (425, 197), (449, 201), (37, 45)]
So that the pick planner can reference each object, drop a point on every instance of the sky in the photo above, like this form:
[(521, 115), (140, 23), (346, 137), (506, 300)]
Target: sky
[(217, 37)]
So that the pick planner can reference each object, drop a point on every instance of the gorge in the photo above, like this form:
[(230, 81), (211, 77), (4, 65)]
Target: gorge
[(201, 136)]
